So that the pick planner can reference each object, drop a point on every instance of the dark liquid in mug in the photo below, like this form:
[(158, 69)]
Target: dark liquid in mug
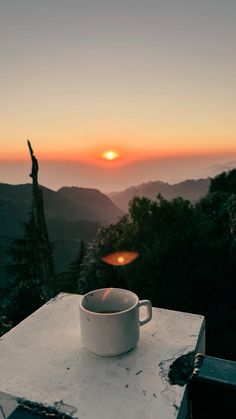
[(108, 311)]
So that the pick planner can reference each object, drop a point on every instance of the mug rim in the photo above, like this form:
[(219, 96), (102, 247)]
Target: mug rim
[(108, 314)]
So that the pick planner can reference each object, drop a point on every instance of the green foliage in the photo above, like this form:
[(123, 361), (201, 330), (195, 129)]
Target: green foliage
[(169, 236), (26, 291), (225, 182), (68, 281), (5, 324), (94, 272)]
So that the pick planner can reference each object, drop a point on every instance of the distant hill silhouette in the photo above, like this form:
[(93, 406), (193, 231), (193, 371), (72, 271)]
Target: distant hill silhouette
[(216, 169), (73, 203), (192, 190), (72, 214), (100, 207)]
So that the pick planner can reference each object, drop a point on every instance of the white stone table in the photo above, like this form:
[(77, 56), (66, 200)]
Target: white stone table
[(43, 360)]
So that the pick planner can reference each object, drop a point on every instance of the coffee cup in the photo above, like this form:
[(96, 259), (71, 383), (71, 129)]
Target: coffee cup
[(110, 320)]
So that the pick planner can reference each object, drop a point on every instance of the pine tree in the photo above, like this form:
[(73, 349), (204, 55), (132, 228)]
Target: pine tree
[(31, 271), (26, 292), (47, 265), (68, 281)]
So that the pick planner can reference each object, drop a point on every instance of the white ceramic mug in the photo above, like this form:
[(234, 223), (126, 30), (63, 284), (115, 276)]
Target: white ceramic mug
[(110, 320)]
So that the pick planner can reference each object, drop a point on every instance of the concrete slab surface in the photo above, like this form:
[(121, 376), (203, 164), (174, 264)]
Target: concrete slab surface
[(43, 360)]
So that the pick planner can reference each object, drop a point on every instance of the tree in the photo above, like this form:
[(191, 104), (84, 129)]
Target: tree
[(220, 206), (31, 270), (47, 265), (26, 291), (170, 237), (5, 324), (68, 281), (224, 182)]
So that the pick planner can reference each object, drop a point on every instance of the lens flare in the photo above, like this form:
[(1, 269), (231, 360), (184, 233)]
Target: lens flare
[(120, 258), (106, 293)]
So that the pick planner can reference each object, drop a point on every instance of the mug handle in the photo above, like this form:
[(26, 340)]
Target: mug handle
[(148, 305)]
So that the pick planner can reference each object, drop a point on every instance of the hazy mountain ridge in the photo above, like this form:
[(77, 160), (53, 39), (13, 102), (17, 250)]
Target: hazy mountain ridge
[(74, 204), (190, 189), (103, 209), (218, 168)]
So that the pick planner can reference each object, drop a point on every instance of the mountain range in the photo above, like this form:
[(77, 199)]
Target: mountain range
[(192, 190), (71, 203)]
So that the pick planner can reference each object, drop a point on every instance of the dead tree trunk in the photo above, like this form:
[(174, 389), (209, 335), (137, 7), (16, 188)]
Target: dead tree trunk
[(47, 268)]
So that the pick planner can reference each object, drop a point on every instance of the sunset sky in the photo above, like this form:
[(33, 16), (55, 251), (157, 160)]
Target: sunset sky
[(150, 79)]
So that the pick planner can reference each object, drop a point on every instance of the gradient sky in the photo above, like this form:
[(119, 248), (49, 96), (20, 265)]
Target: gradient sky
[(150, 79)]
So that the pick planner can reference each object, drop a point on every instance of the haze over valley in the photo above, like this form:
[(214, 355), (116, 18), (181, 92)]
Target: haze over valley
[(112, 177)]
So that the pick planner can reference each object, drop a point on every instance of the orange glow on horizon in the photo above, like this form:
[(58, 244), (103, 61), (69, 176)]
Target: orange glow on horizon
[(95, 156)]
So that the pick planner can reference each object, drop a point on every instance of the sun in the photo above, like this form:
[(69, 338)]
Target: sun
[(110, 155)]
